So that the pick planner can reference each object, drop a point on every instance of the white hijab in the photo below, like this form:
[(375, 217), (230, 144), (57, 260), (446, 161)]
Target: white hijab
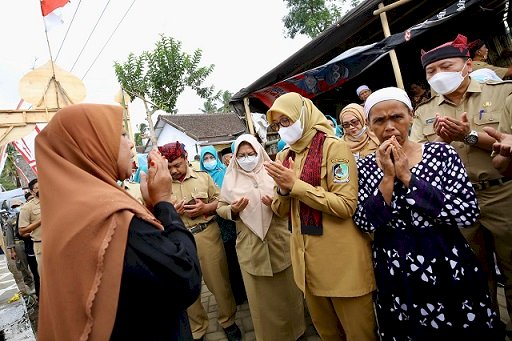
[(252, 185)]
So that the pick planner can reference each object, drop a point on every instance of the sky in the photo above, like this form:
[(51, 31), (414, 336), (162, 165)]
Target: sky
[(243, 39)]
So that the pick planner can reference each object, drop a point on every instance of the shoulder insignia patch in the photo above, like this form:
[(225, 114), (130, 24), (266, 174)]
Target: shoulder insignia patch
[(340, 172)]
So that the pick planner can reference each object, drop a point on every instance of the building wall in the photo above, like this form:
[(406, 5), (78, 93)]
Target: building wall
[(170, 134)]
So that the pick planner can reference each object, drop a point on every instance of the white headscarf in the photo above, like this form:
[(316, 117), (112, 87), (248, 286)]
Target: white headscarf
[(252, 185), (484, 75), (386, 94)]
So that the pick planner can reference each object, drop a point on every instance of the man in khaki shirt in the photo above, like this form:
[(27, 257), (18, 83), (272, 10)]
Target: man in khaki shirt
[(457, 115), (196, 196), (30, 222)]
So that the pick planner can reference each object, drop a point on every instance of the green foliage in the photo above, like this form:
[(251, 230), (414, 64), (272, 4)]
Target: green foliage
[(141, 134), (9, 177), (160, 76), (210, 106), (311, 17)]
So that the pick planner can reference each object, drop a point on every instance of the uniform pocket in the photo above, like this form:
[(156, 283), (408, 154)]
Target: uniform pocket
[(487, 119), (429, 133)]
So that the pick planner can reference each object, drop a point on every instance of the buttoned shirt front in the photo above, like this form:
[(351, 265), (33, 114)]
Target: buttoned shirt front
[(484, 104), (29, 214)]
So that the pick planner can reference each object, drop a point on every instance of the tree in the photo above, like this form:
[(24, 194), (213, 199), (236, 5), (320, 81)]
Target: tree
[(210, 105), (141, 134), (160, 76), (226, 97), (9, 177), (311, 17)]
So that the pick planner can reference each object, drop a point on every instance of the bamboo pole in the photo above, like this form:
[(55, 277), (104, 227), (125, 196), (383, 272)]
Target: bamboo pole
[(392, 53), (248, 116), (389, 7)]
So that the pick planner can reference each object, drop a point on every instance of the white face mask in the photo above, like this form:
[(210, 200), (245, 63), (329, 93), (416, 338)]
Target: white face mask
[(248, 163), (293, 133), (446, 82), (210, 165)]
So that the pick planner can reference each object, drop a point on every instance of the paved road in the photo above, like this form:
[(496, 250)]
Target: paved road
[(15, 324), (14, 320)]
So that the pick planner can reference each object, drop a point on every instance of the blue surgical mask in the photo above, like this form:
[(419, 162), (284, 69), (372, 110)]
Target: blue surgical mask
[(210, 164)]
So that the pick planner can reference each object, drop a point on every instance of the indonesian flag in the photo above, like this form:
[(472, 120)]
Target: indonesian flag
[(48, 6), (26, 146), (52, 13)]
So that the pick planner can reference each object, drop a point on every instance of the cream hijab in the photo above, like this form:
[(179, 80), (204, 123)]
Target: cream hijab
[(290, 104), (252, 185), (85, 218), (357, 143)]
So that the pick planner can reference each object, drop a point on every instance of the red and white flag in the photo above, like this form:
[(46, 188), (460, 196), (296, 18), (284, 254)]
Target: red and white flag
[(51, 10), (26, 146)]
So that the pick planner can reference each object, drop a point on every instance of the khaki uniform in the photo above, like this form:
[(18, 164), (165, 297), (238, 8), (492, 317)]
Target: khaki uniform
[(210, 249), (30, 213), (500, 71), (275, 302), (485, 105), (334, 270), (134, 189)]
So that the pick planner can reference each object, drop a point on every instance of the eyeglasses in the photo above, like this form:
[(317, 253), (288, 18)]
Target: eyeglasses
[(245, 156), (354, 123), (283, 122)]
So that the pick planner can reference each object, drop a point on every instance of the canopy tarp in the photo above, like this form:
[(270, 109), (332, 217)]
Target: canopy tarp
[(324, 68)]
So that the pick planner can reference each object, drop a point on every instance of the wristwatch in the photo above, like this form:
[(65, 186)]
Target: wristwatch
[(471, 138)]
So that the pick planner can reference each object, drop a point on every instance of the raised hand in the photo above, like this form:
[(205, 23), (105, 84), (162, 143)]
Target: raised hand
[(384, 159), (239, 205), (266, 200), (450, 129), (156, 184), (283, 176), (503, 144)]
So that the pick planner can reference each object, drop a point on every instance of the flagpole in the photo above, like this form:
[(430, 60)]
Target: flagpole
[(51, 61)]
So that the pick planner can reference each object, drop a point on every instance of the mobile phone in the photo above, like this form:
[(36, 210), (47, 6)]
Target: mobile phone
[(191, 202)]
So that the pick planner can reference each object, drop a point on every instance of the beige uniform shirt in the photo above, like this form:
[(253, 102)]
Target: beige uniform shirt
[(30, 213), (500, 71), (484, 104), (196, 185), (339, 262), (261, 257), (134, 189)]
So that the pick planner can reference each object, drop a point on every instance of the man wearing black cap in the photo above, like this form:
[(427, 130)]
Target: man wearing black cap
[(456, 115), (226, 154)]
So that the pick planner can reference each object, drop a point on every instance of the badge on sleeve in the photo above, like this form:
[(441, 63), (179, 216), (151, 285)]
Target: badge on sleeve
[(340, 172)]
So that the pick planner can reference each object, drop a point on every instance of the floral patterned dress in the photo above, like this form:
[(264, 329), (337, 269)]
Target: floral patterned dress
[(429, 283)]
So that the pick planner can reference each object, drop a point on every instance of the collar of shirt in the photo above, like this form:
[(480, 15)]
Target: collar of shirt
[(190, 174)]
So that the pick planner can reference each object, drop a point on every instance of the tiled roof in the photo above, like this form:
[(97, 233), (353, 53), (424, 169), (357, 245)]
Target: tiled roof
[(207, 127)]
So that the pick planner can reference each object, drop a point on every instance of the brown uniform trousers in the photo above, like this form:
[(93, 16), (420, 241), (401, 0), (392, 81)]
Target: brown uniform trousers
[(485, 105), (210, 250), (334, 270)]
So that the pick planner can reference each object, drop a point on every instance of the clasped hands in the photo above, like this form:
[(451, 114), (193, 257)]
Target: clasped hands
[(450, 129), (393, 161), (283, 176)]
